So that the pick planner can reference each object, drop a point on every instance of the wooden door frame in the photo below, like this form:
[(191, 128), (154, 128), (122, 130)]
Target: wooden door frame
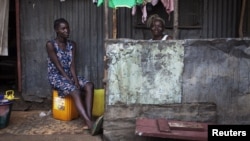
[(19, 80)]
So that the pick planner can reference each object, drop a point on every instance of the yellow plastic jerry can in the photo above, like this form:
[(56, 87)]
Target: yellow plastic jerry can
[(63, 108), (98, 103)]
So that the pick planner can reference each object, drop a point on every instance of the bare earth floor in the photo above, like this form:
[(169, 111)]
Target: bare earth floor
[(31, 123), (26, 124)]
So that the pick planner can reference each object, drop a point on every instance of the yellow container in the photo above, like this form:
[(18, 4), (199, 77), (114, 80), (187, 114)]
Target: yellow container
[(63, 108), (98, 103)]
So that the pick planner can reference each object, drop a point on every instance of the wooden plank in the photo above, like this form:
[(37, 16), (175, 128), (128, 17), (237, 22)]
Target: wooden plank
[(149, 127), (176, 21), (243, 7), (163, 125), (187, 126), (18, 44)]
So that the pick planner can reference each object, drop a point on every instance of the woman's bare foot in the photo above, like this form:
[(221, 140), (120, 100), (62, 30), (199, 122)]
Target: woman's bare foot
[(89, 124)]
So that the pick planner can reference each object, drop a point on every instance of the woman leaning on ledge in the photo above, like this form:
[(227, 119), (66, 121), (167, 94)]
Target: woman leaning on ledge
[(157, 27)]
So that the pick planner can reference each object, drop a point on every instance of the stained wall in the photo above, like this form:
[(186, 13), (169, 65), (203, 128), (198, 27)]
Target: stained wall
[(189, 80)]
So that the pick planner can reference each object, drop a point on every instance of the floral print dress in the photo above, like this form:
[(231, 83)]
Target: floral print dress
[(56, 80)]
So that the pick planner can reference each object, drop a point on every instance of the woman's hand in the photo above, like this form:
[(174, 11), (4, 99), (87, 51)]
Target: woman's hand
[(77, 85)]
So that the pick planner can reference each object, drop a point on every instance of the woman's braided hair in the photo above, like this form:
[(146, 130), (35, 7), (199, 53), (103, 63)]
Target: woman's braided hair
[(153, 18)]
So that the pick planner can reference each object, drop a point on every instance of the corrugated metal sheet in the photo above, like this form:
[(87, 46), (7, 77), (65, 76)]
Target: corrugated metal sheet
[(86, 22), (246, 22), (220, 20)]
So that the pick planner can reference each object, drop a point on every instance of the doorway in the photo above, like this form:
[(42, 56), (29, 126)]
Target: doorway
[(8, 64)]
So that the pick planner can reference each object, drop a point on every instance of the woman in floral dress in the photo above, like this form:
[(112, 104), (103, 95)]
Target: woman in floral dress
[(62, 72)]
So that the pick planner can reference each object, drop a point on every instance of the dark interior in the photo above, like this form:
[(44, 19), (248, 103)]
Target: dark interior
[(8, 69)]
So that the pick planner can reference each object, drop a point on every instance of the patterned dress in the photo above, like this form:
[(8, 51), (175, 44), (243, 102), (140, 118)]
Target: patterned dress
[(56, 80)]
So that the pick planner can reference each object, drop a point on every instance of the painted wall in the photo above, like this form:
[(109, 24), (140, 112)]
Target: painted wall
[(144, 72)]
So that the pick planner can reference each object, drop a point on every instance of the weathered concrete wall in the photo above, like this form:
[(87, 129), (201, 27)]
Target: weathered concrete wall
[(119, 120), (190, 80), (219, 71), (144, 72)]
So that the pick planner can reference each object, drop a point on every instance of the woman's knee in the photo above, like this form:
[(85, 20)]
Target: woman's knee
[(76, 92), (89, 86)]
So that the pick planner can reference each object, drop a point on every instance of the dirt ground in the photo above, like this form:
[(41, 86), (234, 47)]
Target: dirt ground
[(30, 125), (34, 122)]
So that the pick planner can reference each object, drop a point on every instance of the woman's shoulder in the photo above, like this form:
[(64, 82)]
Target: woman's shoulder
[(72, 42), (50, 42), (167, 37)]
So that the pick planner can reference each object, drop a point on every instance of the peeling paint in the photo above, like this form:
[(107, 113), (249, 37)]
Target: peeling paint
[(144, 72)]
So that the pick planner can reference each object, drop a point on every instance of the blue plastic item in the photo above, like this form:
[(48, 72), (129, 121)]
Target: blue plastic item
[(5, 112)]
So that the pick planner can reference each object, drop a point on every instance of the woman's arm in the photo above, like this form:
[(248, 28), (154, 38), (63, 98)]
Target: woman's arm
[(52, 55)]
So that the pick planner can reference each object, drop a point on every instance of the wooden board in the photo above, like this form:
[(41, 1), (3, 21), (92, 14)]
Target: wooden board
[(188, 126), (163, 125), (150, 128)]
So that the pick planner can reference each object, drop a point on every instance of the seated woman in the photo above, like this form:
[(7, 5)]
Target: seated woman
[(157, 27), (62, 74)]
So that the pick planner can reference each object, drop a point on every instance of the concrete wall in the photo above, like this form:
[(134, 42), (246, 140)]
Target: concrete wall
[(189, 80), (144, 72), (218, 71)]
